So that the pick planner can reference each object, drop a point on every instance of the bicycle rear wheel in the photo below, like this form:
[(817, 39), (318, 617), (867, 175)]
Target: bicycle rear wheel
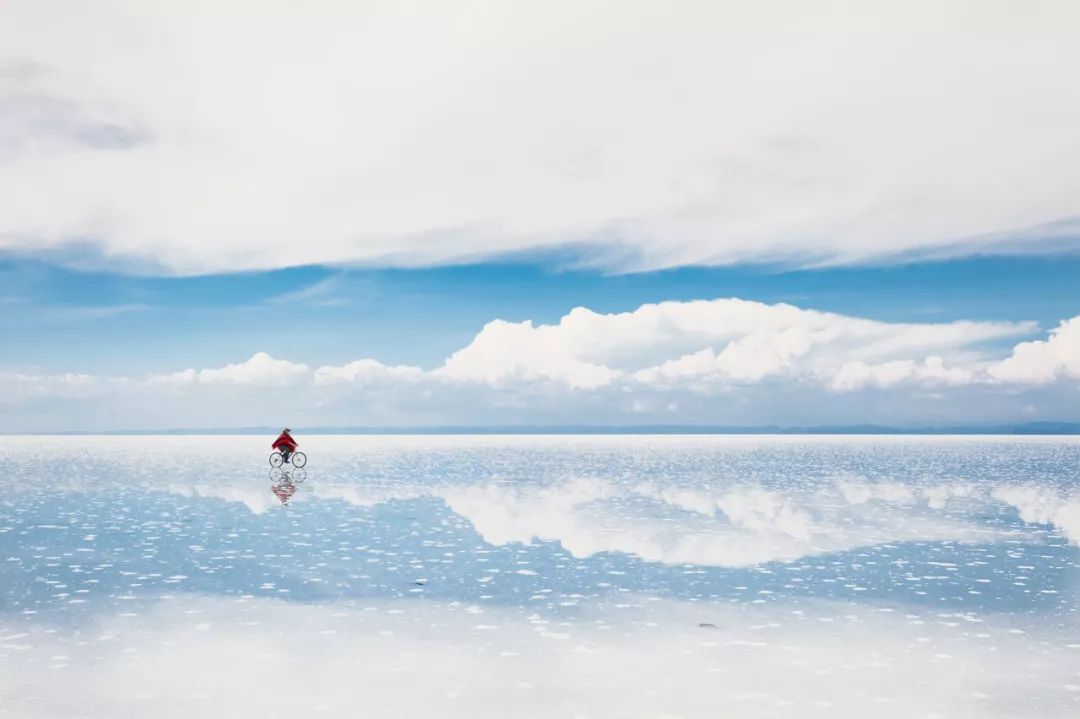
[(298, 459), (276, 459)]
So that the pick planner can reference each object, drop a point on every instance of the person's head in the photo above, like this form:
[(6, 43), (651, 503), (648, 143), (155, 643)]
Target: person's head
[(286, 431)]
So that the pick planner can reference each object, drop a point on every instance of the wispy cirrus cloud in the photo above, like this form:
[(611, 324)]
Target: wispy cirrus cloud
[(88, 312), (326, 292)]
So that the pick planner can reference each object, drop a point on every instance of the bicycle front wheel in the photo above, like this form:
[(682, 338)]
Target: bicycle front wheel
[(298, 459)]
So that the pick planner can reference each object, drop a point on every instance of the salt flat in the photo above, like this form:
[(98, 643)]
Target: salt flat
[(542, 576)]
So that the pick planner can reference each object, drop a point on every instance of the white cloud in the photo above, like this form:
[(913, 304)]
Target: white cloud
[(938, 497), (367, 371), (256, 499), (723, 339), (505, 351), (760, 510), (16, 386), (736, 527), (931, 371), (857, 491), (364, 495), (181, 378), (640, 135), (740, 527), (1043, 361), (261, 370), (665, 362), (749, 358), (1043, 505)]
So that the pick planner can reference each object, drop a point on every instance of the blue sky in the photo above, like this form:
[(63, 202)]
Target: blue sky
[(527, 213), (105, 322), (130, 340)]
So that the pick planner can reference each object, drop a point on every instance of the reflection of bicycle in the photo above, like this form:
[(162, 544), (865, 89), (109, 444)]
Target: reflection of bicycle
[(293, 476), (296, 459)]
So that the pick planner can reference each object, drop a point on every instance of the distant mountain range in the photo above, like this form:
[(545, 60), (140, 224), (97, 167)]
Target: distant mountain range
[(1029, 428)]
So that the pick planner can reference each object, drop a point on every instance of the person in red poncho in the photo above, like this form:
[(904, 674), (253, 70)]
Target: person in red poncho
[(285, 444)]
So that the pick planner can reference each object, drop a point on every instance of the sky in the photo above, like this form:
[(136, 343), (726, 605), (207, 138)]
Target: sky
[(412, 214)]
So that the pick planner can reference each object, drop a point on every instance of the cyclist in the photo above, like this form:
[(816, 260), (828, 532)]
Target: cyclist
[(285, 444)]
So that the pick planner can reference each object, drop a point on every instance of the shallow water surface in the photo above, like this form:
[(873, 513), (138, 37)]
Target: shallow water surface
[(541, 576)]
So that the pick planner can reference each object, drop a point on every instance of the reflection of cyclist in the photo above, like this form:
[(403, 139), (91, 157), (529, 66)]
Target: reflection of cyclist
[(285, 444), (284, 490)]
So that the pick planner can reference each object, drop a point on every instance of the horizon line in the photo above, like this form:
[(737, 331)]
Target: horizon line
[(1047, 428)]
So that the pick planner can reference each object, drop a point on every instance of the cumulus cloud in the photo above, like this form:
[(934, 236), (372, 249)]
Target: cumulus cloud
[(520, 351), (182, 377), (760, 510), (1043, 361), (858, 375), (857, 491), (635, 135), (745, 526), (364, 495), (737, 527), (16, 384), (668, 360), (722, 339), (261, 369), (1043, 505), (257, 499), (366, 371)]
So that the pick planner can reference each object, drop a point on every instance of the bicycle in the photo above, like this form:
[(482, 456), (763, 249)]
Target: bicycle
[(297, 459)]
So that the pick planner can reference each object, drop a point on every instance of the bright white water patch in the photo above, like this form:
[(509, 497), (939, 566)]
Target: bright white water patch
[(635, 657), (541, 576)]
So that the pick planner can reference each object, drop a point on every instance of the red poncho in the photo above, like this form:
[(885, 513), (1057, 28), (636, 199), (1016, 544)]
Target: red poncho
[(285, 441)]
